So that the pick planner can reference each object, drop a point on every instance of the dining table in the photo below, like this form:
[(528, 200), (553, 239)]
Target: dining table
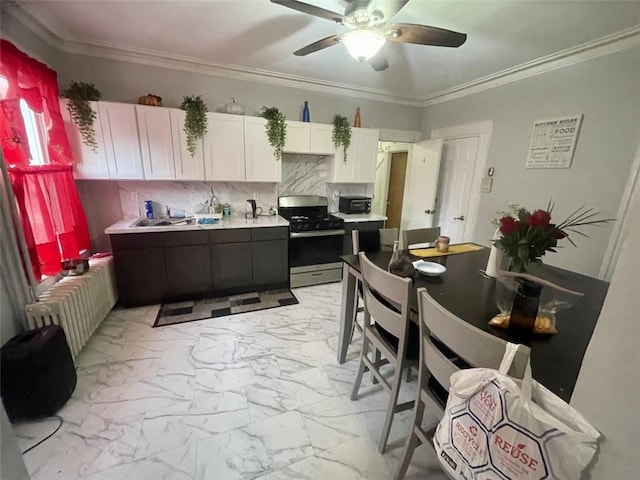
[(466, 292)]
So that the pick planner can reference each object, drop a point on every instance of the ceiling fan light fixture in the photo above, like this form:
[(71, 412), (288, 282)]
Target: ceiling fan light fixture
[(362, 44)]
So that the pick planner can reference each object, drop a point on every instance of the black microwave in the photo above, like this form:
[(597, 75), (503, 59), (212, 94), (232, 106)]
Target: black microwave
[(355, 205)]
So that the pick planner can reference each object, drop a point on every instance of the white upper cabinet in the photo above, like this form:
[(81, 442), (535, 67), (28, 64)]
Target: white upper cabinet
[(224, 147), (367, 154), (187, 167), (88, 164), (122, 144), (298, 137), (156, 144), (321, 139), (360, 166), (260, 162), (305, 137)]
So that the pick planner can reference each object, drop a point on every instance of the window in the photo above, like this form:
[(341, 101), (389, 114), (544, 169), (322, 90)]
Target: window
[(36, 134)]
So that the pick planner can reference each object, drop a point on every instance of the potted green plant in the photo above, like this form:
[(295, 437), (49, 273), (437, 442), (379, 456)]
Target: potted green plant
[(341, 133), (195, 121), (276, 129), (79, 95)]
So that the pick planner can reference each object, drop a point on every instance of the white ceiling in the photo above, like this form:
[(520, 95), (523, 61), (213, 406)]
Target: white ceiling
[(259, 37)]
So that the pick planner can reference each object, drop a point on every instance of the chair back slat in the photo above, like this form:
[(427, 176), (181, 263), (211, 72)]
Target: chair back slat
[(419, 235), (386, 297), (476, 347)]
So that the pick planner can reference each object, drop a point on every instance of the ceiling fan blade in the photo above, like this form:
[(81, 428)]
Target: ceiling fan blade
[(311, 10), (379, 62), (424, 35), (383, 10), (319, 45)]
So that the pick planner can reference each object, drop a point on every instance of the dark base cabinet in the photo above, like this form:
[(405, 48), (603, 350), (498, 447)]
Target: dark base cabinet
[(178, 265)]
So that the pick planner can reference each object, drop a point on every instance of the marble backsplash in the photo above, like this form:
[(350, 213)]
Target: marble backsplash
[(309, 175), (189, 196)]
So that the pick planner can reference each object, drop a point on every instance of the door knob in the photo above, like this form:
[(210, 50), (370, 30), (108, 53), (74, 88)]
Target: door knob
[(429, 212), (461, 217)]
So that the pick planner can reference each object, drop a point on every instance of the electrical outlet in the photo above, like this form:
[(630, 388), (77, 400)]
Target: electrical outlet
[(134, 197)]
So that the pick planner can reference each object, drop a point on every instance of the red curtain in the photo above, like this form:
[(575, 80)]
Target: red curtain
[(36, 84), (52, 216)]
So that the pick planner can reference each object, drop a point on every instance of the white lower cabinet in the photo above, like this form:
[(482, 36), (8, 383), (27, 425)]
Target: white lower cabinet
[(121, 140), (360, 165), (187, 167), (88, 164), (260, 162), (156, 144), (224, 148)]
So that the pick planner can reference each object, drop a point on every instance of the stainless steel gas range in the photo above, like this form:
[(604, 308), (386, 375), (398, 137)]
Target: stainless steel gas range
[(315, 240)]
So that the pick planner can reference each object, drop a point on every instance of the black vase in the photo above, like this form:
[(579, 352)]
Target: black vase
[(525, 306)]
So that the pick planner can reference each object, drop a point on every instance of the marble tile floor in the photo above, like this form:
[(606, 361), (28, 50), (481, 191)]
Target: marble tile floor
[(250, 396)]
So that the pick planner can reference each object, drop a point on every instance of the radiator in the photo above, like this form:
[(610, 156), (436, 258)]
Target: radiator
[(78, 304)]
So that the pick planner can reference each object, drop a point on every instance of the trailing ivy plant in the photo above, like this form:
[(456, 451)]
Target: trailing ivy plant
[(276, 129), (79, 95), (341, 133), (195, 121)]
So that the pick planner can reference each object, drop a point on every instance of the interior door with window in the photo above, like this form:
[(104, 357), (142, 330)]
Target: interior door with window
[(454, 187), (419, 203)]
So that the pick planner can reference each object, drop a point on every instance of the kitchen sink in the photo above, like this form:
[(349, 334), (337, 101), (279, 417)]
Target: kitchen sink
[(163, 222)]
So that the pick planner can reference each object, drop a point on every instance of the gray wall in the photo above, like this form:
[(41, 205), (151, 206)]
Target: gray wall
[(608, 388), (26, 41), (125, 82), (606, 91)]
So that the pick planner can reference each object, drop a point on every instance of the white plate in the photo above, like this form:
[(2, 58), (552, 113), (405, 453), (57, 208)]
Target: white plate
[(431, 269)]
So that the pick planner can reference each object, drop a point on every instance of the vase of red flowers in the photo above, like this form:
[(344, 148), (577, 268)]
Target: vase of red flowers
[(526, 236)]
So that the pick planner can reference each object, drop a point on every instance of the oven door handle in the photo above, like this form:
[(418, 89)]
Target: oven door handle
[(319, 233)]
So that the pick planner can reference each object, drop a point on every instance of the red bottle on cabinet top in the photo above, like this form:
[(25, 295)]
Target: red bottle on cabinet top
[(356, 120)]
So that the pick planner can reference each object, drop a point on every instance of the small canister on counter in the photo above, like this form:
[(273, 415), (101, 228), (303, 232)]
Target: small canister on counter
[(148, 208), (226, 210)]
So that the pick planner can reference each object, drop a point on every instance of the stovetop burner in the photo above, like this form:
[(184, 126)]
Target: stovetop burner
[(307, 213)]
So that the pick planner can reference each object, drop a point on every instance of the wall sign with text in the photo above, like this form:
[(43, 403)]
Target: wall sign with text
[(553, 142)]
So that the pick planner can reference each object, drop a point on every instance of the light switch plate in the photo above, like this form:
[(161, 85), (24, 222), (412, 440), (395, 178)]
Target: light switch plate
[(487, 183)]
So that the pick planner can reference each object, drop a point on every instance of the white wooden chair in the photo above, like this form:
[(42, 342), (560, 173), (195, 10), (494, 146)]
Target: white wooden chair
[(447, 343), (419, 235), (386, 302), (386, 238)]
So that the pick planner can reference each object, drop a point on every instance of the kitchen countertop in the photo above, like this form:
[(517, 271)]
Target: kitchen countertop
[(360, 217), (124, 226)]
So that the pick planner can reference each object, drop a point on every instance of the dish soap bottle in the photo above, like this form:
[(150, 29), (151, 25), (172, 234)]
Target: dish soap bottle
[(395, 256), (305, 112)]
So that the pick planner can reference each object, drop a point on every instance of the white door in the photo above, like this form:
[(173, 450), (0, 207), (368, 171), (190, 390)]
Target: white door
[(224, 148), (454, 187), (87, 162), (421, 185), (187, 167), (156, 144), (260, 162), (122, 144)]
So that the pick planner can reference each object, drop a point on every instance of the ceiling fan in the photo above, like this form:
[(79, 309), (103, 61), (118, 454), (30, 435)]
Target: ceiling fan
[(367, 20)]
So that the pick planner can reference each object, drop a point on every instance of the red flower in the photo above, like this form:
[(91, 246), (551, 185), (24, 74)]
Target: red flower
[(539, 218), (508, 225)]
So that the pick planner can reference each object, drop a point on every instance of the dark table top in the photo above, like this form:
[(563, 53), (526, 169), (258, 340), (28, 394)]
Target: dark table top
[(555, 359)]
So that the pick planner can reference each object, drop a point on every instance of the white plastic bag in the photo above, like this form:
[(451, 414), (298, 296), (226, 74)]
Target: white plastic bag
[(495, 427)]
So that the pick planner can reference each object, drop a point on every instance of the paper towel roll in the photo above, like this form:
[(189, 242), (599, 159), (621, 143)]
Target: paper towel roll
[(493, 264)]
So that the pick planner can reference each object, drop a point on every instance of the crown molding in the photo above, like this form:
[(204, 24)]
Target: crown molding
[(602, 46), (27, 14)]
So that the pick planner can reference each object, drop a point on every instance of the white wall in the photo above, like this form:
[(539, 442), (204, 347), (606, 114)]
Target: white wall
[(607, 391), (25, 40), (606, 91), (11, 464)]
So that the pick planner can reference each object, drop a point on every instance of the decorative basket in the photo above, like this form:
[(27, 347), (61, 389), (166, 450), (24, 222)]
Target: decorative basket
[(150, 99)]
